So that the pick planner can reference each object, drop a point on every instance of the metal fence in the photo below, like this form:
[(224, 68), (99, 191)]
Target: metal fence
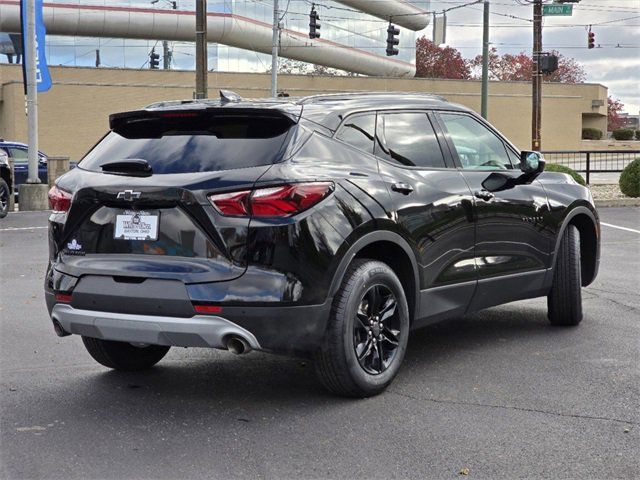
[(593, 161)]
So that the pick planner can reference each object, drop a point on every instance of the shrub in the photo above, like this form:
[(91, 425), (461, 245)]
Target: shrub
[(630, 179), (554, 167), (637, 134), (623, 134), (591, 134)]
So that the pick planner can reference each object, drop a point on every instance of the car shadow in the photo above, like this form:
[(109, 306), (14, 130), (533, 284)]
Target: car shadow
[(203, 375)]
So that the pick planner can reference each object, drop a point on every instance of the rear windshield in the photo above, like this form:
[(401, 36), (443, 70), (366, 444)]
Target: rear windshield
[(185, 143)]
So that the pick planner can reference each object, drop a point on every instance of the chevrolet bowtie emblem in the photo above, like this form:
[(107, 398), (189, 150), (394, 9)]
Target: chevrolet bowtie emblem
[(128, 195)]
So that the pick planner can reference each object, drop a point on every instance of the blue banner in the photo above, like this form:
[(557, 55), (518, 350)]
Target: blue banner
[(43, 79)]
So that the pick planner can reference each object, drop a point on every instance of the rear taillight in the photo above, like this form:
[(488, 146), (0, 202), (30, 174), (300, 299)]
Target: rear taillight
[(63, 297), (280, 201), (206, 308), (59, 200)]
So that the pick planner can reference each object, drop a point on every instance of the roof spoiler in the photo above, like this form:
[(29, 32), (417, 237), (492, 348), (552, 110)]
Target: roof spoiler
[(119, 120)]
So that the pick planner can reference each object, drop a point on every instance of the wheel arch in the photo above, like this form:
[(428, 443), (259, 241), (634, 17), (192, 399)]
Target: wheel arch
[(390, 248), (588, 225)]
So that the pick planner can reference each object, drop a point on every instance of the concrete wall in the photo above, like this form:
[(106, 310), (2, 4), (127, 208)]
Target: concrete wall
[(73, 114)]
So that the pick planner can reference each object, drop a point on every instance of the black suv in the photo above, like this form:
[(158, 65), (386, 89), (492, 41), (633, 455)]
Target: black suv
[(327, 226)]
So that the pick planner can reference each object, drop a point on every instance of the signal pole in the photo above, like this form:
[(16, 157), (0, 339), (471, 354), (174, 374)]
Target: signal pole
[(485, 61), (274, 50), (536, 79), (32, 94), (201, 49)]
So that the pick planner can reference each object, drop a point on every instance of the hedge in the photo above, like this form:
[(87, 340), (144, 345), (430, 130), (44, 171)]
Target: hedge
[(554, 167), (630, 179), (623, 134), (637, 134), (591, 134)]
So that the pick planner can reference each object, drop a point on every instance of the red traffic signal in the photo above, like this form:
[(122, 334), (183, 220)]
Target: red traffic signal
[(591, 40)]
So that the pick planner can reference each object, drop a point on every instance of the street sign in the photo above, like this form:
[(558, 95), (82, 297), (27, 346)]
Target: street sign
[(557, 9)]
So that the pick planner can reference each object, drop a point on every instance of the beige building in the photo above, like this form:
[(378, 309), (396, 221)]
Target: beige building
[(73, 115)]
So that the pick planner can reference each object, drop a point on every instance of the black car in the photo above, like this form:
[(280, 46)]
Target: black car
[(5, 182), (328, 226)]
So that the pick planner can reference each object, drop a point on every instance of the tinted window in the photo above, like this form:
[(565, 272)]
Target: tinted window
[(409, 139), (359, 130), (193, 144), (477, 146), (19, 155)]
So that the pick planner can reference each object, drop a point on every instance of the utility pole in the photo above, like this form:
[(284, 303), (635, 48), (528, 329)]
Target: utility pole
[(536, 79), (274, 50), (32, 94), (485, 61), (201, 49)]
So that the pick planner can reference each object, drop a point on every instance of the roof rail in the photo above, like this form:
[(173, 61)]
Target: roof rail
[(349, 95)]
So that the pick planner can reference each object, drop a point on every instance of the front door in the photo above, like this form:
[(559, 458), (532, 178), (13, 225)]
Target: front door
[(513, 247), (433, 208)]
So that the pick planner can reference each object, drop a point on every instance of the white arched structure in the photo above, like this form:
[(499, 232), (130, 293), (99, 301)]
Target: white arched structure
[(224, 28)]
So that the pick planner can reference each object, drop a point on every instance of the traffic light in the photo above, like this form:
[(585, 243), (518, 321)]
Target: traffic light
[(314, 26), (154, 60), (591, 39), (392, 40)]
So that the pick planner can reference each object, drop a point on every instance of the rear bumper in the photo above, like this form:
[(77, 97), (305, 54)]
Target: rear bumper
[(197, 331), (290, 330)]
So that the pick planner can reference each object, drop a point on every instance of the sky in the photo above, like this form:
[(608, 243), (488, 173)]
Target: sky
[(615, 62)]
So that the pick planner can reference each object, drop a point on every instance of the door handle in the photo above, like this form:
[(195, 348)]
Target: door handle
[(484, 194), (403, 188)]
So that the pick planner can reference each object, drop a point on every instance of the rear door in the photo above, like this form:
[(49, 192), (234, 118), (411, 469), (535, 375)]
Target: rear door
[(512, 244), (433, 206), (141, 205)]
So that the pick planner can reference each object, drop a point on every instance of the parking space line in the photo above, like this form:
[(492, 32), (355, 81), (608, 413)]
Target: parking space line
[(620, 228), (11, 229)]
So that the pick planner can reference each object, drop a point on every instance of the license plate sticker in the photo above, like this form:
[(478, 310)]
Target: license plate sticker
[(136, 226)]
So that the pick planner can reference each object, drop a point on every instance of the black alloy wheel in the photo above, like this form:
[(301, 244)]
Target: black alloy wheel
[(367, 332), (376, 329)]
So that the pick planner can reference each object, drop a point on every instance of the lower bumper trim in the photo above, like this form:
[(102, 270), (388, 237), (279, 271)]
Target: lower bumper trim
[(197, 331)]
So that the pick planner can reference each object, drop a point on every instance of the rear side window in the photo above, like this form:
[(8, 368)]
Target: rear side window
[(359, 131), (409, 139), (185, 142)]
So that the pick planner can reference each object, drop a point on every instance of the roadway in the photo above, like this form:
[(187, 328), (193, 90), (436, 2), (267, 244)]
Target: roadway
[(501, 393)]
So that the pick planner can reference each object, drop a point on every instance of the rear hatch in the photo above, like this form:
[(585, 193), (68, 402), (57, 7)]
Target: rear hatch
[(140, 206)]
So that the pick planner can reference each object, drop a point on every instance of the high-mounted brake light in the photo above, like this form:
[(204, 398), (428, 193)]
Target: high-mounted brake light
[(59, 200), (280, 201)]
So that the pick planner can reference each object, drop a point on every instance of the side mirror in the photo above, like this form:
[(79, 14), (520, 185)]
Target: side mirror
[(531, 163)]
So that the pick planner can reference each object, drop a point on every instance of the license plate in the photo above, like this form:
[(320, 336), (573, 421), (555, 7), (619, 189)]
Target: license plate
[(136, 226)]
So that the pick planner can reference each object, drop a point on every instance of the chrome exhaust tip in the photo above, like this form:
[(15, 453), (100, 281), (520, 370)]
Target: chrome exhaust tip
[(238, 345), (61, 332)]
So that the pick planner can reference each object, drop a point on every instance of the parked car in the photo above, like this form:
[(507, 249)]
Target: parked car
[(5, 181), (328, 226), (18, 152)]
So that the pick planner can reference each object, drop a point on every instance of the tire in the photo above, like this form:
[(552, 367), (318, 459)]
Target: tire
[(368, 291), (4, 198), (564, 301), (124, 356)]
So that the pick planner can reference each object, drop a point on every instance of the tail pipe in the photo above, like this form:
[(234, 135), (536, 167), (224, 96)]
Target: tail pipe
[(238, 345), (57, 327)]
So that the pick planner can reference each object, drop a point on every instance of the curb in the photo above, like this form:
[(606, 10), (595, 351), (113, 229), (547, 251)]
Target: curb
[(618, 202)]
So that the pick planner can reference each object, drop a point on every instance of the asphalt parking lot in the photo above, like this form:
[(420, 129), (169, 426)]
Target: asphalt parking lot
[(500, 393)]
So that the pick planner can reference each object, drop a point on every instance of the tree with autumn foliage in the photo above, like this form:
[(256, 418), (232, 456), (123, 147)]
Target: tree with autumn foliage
[(614, 107), (520, 67), (433, 61)]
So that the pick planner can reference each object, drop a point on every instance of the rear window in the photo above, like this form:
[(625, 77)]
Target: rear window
[(193, 142)]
